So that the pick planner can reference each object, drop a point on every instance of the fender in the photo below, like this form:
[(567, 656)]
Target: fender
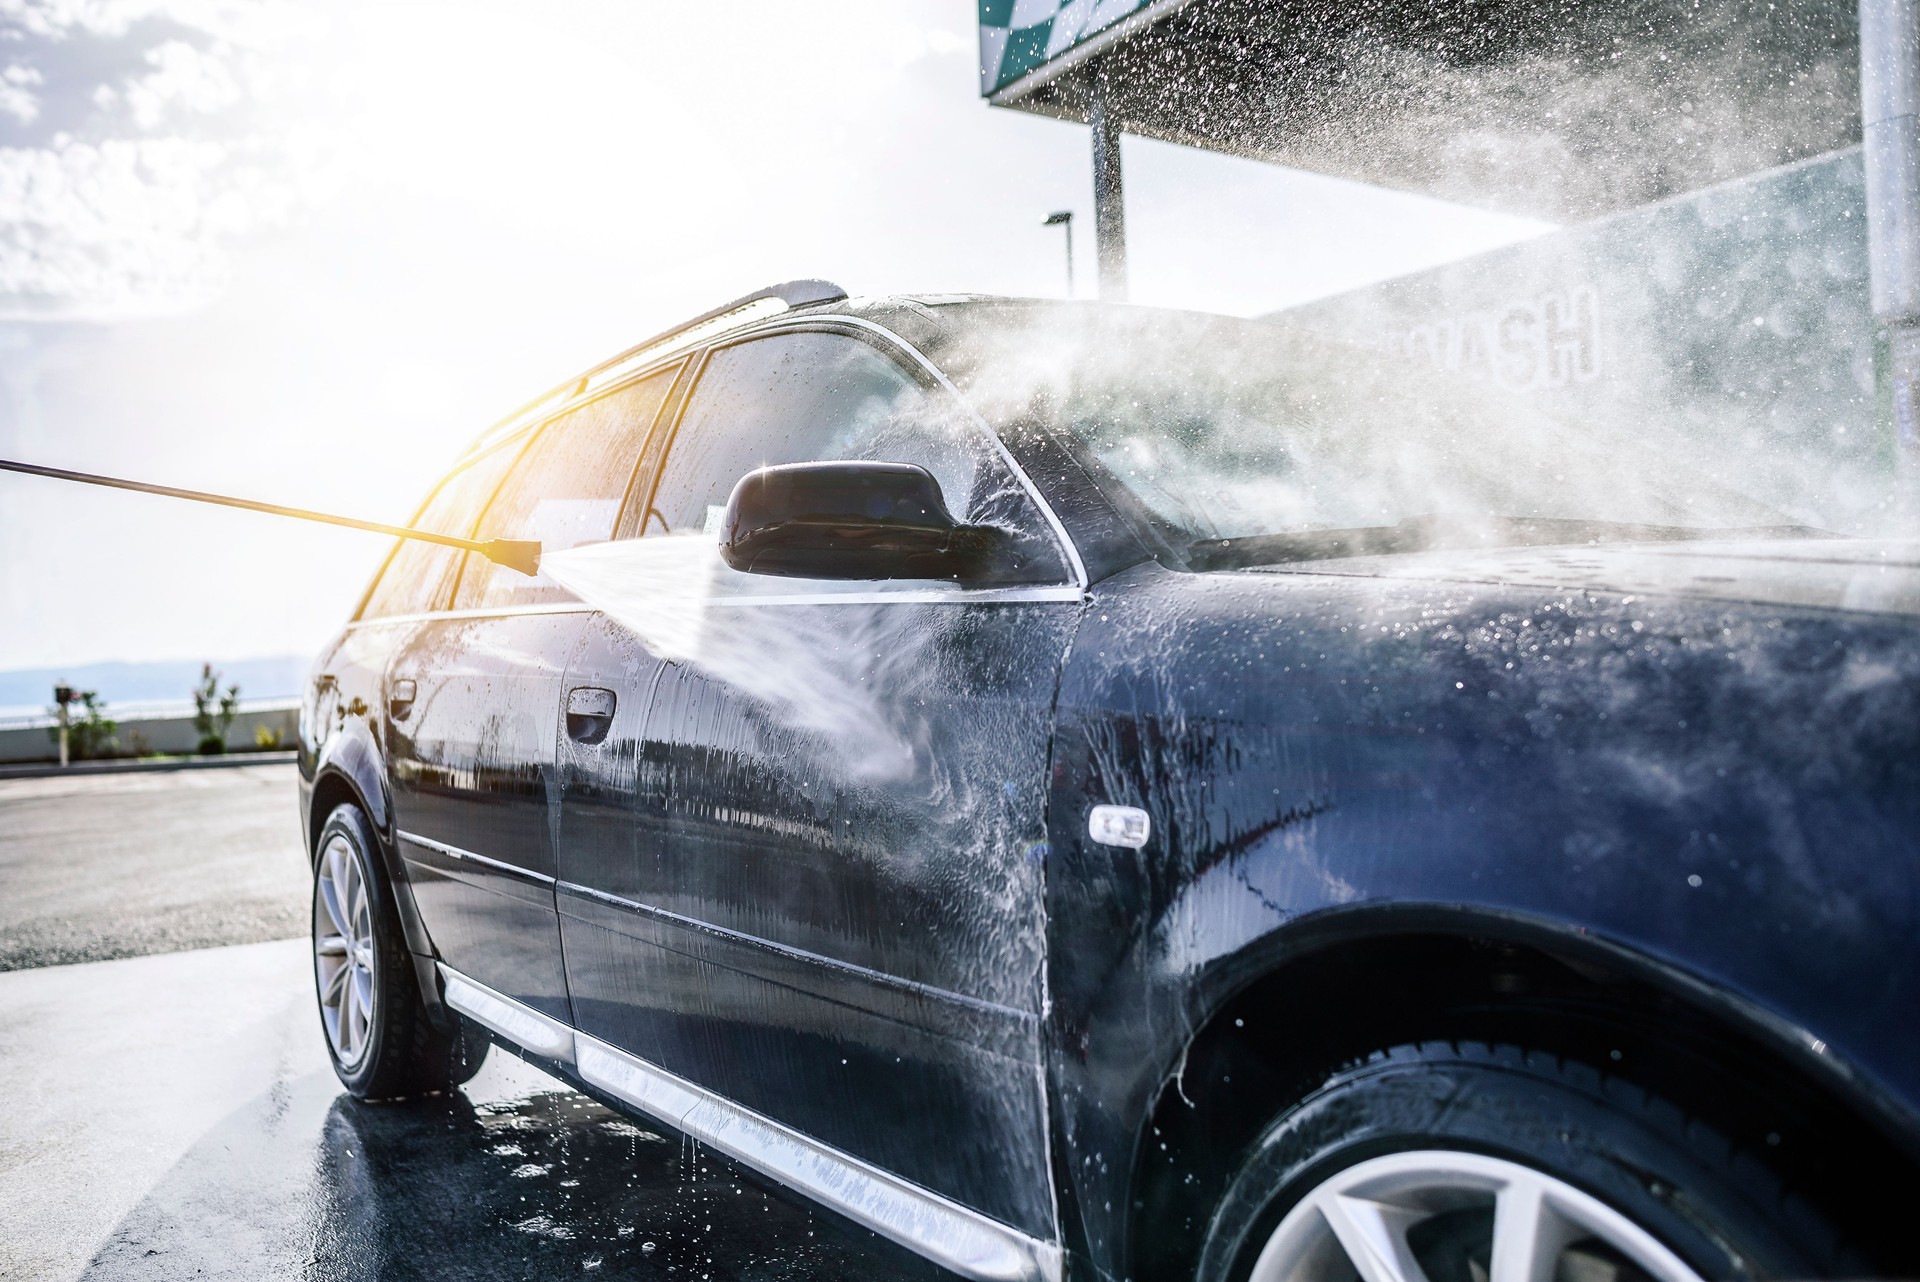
[(1138, 1037), (1585, 948)]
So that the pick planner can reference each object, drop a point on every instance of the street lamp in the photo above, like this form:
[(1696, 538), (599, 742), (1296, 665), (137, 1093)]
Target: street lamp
[(64, 695), (1064, 218)]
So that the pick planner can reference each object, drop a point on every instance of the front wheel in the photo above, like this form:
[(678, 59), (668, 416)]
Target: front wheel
[(381, 1040), (1466, 1163)]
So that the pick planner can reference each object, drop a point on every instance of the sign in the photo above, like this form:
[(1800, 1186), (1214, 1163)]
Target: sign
[(1020, 36), (1731, 324)]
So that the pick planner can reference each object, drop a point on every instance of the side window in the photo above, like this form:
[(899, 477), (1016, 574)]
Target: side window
[(419, 575), (798, 398), (566, 491)]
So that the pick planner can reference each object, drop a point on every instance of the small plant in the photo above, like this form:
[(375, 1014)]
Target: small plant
[(90, 731), (213, 711), (266, 738)]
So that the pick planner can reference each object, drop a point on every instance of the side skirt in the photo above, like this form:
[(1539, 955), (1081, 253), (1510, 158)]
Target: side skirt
[(952, 1236)]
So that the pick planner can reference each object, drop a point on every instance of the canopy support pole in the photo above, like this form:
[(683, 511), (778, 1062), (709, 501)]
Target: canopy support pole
[(1109, 202), (1890, 127)]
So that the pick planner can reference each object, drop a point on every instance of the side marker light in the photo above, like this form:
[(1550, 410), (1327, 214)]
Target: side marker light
[(1119, 826)]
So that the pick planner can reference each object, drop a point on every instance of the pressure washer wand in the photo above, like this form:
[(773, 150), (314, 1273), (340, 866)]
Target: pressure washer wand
[(517, 554)]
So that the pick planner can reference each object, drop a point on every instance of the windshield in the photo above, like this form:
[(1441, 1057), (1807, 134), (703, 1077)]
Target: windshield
[(1287, 445)]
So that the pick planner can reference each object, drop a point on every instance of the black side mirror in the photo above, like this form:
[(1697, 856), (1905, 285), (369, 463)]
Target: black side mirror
[(850, 521)]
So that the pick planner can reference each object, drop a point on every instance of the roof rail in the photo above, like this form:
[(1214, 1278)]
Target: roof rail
[(792, 294)]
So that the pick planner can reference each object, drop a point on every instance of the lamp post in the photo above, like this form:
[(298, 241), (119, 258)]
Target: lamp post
[(62, 696), (1064, 218)]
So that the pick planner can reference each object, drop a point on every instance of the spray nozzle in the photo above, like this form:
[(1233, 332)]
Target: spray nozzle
[(516, 554)]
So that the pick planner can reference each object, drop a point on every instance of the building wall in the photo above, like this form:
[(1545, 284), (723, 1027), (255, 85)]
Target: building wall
[(1731, 326)]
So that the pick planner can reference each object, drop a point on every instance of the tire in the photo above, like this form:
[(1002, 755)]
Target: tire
[(1633, 1187), (378, 1033)]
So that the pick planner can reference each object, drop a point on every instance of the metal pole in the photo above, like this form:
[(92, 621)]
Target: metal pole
[(1890, 120), (63, 732), (1070, 289), (1109, 200), (519, 554)]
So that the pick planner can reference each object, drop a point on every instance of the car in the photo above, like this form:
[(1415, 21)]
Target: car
[(1094, 791)]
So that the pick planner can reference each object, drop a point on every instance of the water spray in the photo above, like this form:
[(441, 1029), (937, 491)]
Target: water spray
[(516, 554)]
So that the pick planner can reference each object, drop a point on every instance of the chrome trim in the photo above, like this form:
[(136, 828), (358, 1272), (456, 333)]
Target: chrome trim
[(467, 855), (488, 612), (1077, 568), (874, 977), (516, 1021), (952, 1236), (919, 596)]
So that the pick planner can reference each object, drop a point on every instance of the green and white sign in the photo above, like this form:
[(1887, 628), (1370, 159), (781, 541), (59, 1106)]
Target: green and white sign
[(1018, 37)]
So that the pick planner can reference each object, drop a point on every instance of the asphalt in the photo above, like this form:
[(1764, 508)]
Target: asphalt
[(120, 865), (170, 1114)]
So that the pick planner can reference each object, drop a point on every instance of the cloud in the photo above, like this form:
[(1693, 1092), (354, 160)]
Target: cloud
[(110, 228), (17, 97), (144, 148), (184, 79)]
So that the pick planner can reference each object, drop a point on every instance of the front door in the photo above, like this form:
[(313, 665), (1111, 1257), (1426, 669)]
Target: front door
[(474, 701), (804, 867)]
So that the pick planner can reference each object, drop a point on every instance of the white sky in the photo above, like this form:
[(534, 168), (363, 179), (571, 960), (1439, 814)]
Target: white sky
[(303, 251)]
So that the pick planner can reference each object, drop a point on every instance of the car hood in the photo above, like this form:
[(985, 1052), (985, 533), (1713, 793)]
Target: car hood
[(1878, 576)]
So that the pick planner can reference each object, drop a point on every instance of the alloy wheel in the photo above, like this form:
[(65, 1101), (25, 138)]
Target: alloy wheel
[(343, 955), (1442, 1216)]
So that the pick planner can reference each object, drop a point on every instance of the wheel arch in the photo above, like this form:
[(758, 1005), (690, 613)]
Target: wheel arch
[(1273, 1021), (352, 772)]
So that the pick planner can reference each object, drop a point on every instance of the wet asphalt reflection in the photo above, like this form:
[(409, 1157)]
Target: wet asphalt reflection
[(169, 1114), (516, 1176)]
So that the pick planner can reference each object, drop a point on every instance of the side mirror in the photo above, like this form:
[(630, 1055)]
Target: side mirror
[(850, 521)]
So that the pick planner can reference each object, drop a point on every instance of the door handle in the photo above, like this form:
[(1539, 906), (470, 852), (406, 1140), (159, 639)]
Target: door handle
[(589, 713), (400, 698)]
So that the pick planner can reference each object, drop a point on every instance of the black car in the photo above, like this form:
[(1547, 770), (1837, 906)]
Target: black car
[(1115, 793)]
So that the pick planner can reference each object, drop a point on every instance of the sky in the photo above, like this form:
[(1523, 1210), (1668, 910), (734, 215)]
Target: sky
[(304, 250)]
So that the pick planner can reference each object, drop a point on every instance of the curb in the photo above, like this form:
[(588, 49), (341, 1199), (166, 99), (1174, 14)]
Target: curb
[(47, 771)]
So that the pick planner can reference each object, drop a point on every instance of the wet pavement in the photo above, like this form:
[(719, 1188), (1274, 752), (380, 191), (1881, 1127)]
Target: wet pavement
[(172, 1116)]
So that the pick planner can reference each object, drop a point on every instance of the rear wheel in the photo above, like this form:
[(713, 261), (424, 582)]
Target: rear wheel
[(1467, 1163), (381, 1040)]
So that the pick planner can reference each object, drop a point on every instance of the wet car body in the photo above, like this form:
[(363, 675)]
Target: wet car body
[(1660, 800)]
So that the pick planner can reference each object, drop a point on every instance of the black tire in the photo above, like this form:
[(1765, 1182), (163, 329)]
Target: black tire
[(403, 1052), (1724, 1212)]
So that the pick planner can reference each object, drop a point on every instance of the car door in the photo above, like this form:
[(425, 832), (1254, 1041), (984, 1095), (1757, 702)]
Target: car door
[(473, 702), (804, 869)]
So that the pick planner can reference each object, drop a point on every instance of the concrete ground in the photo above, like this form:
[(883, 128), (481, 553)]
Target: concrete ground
[(172, 1115)]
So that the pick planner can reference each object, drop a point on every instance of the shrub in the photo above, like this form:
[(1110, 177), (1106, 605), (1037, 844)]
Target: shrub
[(90, 732), (213, 711)]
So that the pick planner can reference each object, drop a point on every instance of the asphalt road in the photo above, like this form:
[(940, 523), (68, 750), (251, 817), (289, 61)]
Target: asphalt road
[(121, 865), (171, 1114)]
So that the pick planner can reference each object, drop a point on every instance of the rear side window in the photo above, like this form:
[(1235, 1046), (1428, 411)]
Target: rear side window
[(567, 490), (419, 575)]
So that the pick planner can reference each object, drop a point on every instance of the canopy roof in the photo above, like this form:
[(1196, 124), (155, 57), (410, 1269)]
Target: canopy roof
[(1559, 108)]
